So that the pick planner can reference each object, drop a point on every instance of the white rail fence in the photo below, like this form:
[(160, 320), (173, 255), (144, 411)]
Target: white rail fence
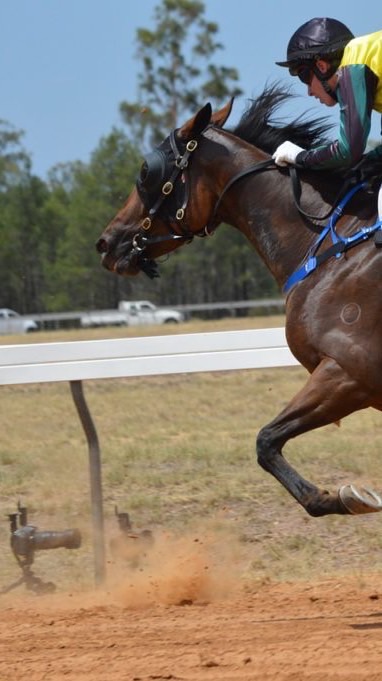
[(144, 356)]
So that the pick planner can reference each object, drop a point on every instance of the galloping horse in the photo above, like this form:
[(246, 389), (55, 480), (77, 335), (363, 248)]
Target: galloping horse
[(203, 175)]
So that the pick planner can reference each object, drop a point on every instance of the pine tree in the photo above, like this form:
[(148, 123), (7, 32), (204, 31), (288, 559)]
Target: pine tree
[(177, 74)]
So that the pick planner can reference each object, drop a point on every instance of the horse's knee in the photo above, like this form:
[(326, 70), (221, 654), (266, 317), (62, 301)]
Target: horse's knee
[(264, 449)]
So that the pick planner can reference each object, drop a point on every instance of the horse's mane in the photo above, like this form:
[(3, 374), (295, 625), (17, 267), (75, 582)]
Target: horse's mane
[(259, 127)]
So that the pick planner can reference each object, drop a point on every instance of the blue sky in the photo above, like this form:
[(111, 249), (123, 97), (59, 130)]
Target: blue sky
[(67, 64)]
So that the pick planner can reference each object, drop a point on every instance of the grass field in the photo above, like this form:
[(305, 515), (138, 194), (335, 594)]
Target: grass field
[(178, 455)]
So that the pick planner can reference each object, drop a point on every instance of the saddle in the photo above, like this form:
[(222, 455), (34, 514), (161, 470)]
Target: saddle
[(367, 171)]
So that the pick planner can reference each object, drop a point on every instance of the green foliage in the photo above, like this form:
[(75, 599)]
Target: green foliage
[(14, 161), (96, 190), (22, 200), (21, 243), (177, 75)]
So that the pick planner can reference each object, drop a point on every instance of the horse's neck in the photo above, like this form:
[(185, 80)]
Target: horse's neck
[(263, 208), (271, 222)]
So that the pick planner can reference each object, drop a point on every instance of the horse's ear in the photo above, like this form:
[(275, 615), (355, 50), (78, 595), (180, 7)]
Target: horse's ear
[(219, 117), (196, 125)]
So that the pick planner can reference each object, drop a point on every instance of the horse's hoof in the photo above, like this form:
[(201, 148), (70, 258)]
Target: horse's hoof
[(362, 500)]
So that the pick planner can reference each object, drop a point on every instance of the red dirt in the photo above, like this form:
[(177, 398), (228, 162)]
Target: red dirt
[(320, 631), (187, 617)]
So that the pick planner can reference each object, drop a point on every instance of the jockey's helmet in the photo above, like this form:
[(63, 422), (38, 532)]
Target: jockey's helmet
[(319, 37)]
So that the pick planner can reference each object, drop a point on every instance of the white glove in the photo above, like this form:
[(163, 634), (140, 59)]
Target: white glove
[(286, 153)]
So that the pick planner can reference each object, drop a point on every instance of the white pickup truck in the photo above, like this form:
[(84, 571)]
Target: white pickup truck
[(144, 312), (132, 314), (12, 323)]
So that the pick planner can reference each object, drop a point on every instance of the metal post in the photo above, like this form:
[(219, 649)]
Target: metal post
[(95, 480)]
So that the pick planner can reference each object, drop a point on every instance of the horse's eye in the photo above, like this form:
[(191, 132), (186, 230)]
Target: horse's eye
[(144, 172)]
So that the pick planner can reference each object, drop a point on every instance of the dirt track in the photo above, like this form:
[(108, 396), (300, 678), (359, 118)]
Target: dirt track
[(319, 631)]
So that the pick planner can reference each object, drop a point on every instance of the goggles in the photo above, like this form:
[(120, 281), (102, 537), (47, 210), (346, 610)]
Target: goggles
[(304, 72), (154, 171)]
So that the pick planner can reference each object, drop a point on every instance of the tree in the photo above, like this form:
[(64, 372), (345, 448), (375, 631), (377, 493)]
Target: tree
[(22, 196), (177, 74), (14, 161), (21, 244), (85, 197)]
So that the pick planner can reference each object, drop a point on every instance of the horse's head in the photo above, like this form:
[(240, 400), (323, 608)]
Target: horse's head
[(168, 205)]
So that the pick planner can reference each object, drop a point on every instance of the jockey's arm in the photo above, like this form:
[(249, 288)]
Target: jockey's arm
[(355, 92)]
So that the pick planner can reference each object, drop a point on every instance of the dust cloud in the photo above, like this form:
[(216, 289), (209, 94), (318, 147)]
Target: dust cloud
[(191, 567), (197, 567)]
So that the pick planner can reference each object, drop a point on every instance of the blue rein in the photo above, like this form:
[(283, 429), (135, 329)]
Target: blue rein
[(339, 244)]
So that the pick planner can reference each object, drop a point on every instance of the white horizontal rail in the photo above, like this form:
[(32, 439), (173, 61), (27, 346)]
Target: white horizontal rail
[(144, 356)]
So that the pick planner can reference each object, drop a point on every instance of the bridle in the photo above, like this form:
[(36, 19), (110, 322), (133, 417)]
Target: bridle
[(170, 169), (159, 161), (164, 169), (154, 169)]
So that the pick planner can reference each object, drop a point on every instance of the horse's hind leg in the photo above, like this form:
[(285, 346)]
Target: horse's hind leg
[(329, 395)]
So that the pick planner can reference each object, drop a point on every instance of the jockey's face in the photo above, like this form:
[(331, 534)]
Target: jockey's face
[(316, 88)]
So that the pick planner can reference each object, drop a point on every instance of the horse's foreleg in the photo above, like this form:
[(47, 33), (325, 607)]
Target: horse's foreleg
[(329, 395)]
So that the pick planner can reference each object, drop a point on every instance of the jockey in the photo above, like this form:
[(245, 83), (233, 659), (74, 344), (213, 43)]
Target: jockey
[(337, 68)]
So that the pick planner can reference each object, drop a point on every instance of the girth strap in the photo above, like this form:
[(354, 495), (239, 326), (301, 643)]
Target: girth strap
[(336, 249)]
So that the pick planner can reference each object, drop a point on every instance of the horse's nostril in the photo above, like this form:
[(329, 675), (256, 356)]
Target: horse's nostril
[(101, 245)]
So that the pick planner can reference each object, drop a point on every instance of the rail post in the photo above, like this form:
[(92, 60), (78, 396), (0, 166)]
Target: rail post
[(95, 480)]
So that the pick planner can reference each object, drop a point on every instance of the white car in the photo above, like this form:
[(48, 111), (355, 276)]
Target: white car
[(144, 312), (11, 322)]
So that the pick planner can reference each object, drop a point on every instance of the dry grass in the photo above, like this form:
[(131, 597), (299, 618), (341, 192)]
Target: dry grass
[(177, 451)]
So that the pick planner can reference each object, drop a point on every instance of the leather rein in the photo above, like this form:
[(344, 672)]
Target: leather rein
[(269, 164)]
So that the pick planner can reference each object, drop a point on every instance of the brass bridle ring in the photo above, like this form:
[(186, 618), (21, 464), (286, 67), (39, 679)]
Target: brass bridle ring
[(167, 188), (146, 223), (191, 145)]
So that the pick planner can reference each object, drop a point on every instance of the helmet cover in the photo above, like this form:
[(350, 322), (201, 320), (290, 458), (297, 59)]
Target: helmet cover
[(316, 37)]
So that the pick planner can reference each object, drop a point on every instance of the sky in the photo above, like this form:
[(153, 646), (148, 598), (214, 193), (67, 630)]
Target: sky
[(66, 65)]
